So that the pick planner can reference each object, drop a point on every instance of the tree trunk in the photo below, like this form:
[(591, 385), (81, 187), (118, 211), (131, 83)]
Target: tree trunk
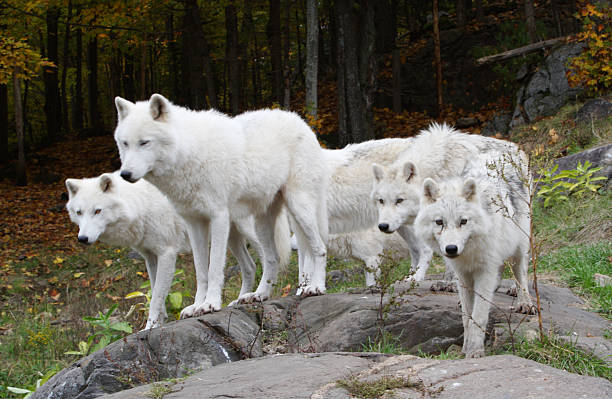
[(174, 57), (356, 112), (143, 68), (196, 61), (4, 153), (95, 123), (461, 13), (556, 9), (530, 20), (77, 109), (397, 81), (52, 97), (65, 58), (286, 63), (273, 31), (253, 55), (312, 56), (231, 24), (343, 137), (367, 64), (437, 57), (479, 10), (22, 179)]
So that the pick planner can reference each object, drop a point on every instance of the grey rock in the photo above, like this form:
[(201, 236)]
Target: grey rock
[(547, 90), (593, 109), (499, 124), (598, 156), (172, 350), (317, 375)]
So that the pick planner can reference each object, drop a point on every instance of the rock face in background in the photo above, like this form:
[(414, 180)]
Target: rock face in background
[(593, 109), (316, 376), (547, 90), (423, 320)]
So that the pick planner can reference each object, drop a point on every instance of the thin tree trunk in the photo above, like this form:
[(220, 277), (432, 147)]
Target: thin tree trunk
[(65, 121), (461, 13), (367, 65), (4, 153), (174, 56), (556, 9), (437, 58), (50, 74), (95, 122), (231, 24), (22, 179), (273, 31), (78, 87), (397, 81), (343, 128), (253, 55), (479, 10), (286, 64), (128, 76), (312, 56), (530, 20)]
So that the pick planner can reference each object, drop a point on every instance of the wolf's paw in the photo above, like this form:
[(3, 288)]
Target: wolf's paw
[(525, 308), (251, 297), (443, 286), (475, 354), (310, 290), (152, 324), (189, 311), (207, 307)]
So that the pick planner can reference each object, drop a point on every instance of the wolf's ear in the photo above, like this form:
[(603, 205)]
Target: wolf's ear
[(469, 189), (409, 170), (379, 173), (73, 186), (159, 107), (106, 183), (431, 192), (123, 107)]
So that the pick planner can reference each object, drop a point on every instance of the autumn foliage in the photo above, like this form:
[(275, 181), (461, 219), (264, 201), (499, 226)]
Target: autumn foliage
[(593, 68)]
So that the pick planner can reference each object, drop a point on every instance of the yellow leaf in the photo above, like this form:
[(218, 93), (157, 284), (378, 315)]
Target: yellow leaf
[(108, 262), (79, 274), (58, 261)]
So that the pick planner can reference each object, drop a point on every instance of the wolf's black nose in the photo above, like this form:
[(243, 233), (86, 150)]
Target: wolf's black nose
[(84, 239), (127, 175), (451, 250), (384, 227)]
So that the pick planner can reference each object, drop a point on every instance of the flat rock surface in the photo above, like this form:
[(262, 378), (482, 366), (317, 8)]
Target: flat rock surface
[(316, 375)]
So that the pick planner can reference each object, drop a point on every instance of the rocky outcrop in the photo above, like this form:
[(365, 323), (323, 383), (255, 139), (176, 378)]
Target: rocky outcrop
[(421, 319), (321, 376), (594, 109), (547, 90)]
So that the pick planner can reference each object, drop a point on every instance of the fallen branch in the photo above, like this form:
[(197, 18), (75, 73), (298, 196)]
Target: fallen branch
[(530, 48)]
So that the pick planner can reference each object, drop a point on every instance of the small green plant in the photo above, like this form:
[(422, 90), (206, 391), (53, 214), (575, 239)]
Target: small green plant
[(108, 331), (372, 389), (29, 390), (384, 343), (557, 187), (175, 298)]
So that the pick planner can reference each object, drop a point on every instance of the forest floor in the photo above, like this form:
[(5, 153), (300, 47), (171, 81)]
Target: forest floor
[(49, 282)]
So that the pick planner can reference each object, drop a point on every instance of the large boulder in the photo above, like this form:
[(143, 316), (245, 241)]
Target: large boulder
[(547, 90), (321, 376), (422, 320), (594, 109)]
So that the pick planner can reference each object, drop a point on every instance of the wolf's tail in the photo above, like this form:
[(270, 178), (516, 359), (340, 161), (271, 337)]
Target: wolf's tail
[(282, 238)]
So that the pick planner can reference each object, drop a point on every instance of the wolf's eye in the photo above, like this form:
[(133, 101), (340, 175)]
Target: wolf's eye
[(462, 222), (399, 201), (439, 222), (97, 211), (143, 142), (124, 144), (382, 201), (78, 212)]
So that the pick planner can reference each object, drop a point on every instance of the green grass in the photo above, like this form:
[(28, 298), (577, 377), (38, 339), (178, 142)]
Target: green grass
[(371, 389), (387, 343), (560, 354), (577, 266)]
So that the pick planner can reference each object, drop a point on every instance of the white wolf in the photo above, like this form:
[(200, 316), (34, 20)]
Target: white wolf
[(368, 246), (351, 208), (478, 224), (109, 209), (217, 170)]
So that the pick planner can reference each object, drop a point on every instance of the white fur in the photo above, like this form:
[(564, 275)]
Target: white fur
[(351, 209), (477, 227), (217, 170)]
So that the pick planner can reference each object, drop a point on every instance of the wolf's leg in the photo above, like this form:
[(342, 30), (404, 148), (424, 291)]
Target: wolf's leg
[(305, 209), (465, 289), (519, 268), (219, 234), (305, 262), (237, 244), (151, 262), (485, 284), (420, 253), (166, 263), (199, 238)]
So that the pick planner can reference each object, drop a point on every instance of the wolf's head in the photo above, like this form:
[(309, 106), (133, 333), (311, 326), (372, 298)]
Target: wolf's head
[(396, 194), (451, 216), (93, 205), (143, 135)]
